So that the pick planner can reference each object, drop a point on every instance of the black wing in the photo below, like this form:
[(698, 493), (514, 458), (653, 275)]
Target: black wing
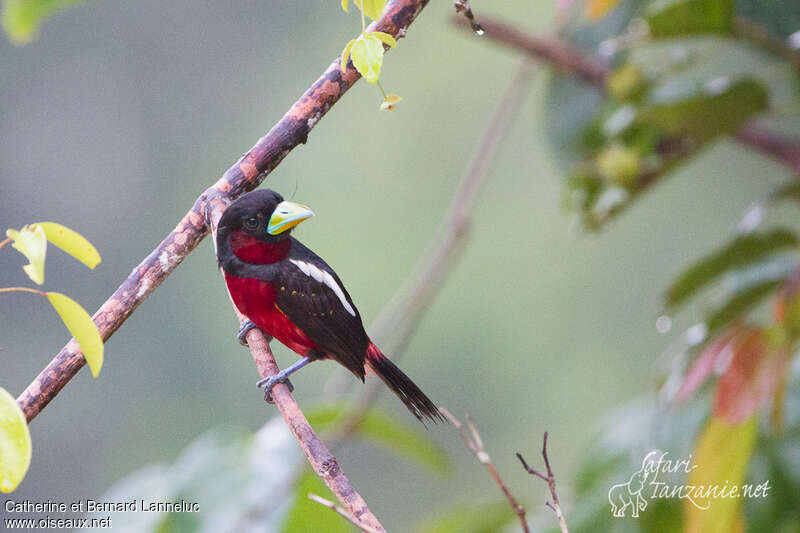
[(310, 293)]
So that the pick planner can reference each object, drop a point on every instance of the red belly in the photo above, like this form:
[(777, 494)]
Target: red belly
[(255, 299)]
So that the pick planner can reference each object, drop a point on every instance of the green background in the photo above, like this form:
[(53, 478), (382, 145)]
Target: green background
[(123, 112)]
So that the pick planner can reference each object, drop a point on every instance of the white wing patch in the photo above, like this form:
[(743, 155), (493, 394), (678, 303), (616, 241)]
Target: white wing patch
[(324, 277)]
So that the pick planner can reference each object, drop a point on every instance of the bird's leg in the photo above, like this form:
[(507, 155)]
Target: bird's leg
[(281, 377), (246, 326)]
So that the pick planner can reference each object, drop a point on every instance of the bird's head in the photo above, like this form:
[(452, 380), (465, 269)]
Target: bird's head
[(264, 216)]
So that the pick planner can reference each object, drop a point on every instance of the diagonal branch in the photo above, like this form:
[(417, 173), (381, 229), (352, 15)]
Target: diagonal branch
[(574, 62), (245, 175), (319, 457)]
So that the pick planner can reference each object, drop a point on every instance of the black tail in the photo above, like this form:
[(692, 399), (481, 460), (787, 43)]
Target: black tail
[(420, 405)]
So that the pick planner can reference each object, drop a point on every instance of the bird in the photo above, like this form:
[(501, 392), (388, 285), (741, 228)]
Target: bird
[(292, 295)]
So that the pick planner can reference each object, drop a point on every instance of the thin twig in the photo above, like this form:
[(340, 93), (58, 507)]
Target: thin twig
[(550, 479), (574, 62), (4, 242), (474, 443), (347, 516), (462, 6), (22, 289)]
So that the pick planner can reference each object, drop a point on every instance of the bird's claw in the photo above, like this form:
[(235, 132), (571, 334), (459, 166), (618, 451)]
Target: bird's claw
[(270, 382), (246, 326)]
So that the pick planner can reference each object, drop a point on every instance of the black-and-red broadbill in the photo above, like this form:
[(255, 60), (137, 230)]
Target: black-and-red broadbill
[(291, 294)]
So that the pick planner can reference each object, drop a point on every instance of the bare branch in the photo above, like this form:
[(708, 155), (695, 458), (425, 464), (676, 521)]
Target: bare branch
[(474, 443), (319, 457), (347, 516), (573, 62), (550, 479)]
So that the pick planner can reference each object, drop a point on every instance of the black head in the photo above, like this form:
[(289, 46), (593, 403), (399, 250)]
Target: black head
[(264, 214)]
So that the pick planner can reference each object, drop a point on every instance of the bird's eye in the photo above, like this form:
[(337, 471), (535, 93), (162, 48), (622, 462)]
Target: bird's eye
[(251, 223)]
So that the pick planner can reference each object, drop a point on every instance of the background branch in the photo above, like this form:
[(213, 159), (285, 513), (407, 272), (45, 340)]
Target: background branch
[(399, 318), (550, 479), (474, 443), (574, 62)]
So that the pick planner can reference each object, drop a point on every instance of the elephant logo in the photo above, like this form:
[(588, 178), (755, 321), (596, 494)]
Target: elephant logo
[(624, 495)]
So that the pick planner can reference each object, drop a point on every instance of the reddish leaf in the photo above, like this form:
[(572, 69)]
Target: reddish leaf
[(750, 379), (704, 365)]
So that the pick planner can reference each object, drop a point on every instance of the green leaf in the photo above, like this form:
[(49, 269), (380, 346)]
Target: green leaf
[(82, 327), (15, 443), (788, 191), (740, 303), (742, 251), (71, 242), (380, 429), (22, 18), (720, 459), (346, 6), (372, 8), (472, 519), (367, 55), (717, 108), (31, 241), (670, 18), (306, 515), (346, 54), (385, 38)]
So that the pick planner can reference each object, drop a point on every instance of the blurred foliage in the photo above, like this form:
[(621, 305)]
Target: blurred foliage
[(307, 515), (240, 481), (722, 455), (741, 251), (22, 18), (662, 103), (391, 434), (15, 443), (256, 483), (671, 18), (472, 519)]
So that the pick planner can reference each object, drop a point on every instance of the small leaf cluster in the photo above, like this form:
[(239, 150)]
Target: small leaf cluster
[(656, 113), (366, 50), (31, 241)]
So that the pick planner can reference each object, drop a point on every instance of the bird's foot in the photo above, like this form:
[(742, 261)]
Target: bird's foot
[(246, 326), (268, 383)]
